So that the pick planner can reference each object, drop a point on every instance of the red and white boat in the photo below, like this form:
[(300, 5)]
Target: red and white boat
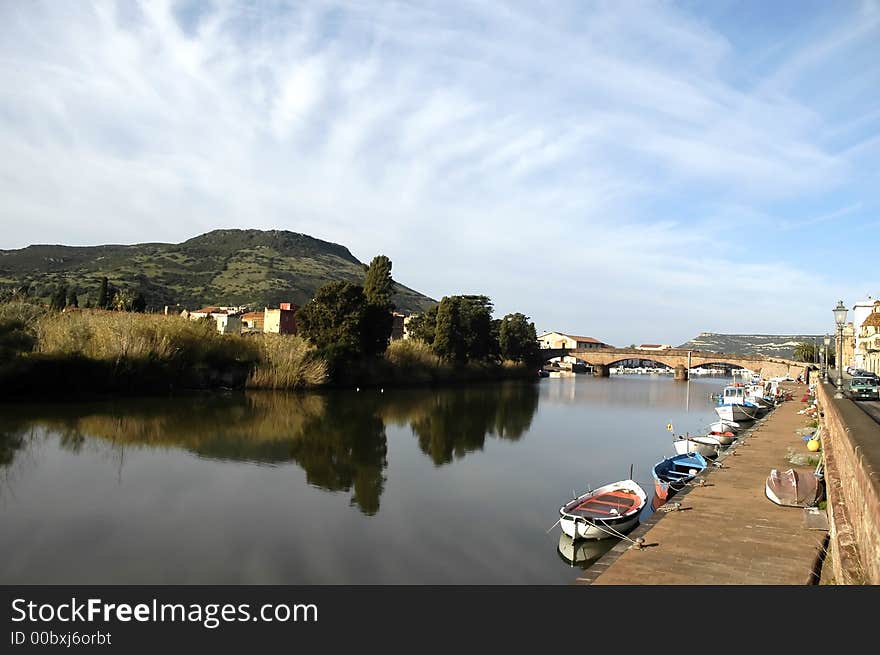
[(606, 512), (724, 438)]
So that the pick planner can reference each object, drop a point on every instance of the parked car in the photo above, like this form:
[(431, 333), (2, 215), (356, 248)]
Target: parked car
[(864, 388)]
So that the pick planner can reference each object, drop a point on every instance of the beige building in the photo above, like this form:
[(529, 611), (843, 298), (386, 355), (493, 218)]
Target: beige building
[(860, 311), (869, 341), (653, 346), (848, 345), (278, 320), (252, 322), (227, 319), (281, 320), (570, 341)]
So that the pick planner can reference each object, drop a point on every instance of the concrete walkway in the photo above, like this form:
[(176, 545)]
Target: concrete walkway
[(727, 532)]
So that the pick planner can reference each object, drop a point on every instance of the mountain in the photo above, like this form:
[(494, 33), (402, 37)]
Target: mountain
[(772, 345), (223, 267)]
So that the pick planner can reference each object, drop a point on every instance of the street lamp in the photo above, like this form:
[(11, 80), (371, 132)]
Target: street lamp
[(827, 341), (840, 319)]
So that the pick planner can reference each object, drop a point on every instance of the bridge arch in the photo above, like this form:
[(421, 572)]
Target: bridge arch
[(603, 358)]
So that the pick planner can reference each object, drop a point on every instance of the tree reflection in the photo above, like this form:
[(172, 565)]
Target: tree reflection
[(10, 443), (459, 420), (346, 448), (338, 438)]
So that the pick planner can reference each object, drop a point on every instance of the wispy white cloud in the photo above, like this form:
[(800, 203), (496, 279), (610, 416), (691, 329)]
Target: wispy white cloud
[(550, 159)]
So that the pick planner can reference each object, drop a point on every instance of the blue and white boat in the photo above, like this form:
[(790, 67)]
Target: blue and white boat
[(673, 473), (735, 406)]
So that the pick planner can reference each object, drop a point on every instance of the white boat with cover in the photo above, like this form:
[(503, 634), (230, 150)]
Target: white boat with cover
[(733, 405)]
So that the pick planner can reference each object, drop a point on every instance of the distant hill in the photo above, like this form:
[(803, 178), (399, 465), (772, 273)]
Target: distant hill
[(772, 345), (223, 267)]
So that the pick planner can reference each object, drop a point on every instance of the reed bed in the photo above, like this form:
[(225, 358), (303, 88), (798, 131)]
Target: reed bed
[(97, 350), (286, 362), (116, 336), (128, 351)]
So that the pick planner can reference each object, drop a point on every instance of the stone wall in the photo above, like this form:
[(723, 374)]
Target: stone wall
[(783, 368), (851, 443)]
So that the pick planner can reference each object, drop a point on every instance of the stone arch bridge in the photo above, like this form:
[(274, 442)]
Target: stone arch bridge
[(602, 359)]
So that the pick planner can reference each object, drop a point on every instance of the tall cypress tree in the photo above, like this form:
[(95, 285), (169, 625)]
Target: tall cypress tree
[(378, 320), (449, 338), (59, 298), (103, 295), (378, 284)]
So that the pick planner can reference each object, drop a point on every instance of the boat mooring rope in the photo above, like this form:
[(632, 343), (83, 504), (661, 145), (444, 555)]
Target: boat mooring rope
[(607, 529)]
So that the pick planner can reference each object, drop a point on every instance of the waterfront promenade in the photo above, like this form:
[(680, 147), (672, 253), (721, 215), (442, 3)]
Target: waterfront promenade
[(727, 531)]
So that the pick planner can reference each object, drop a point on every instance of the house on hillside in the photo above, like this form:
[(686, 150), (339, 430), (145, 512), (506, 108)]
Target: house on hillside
[(278, 320), (570, 341), (252, 322), (281, 320), (227, 319)]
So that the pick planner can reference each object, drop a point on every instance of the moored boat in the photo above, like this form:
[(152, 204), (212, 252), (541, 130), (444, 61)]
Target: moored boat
[(734, 406), (673, 473), (794, 489), (724, 426), (705, 445), (724, 438), (606, 512), (737, 413)]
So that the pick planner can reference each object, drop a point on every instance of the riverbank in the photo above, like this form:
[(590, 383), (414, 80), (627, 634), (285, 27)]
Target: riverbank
[(139, 489), (59, 353), (727, 531)]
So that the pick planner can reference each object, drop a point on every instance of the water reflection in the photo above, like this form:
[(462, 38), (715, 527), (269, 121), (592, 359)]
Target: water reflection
[(338, 439), (583, 552), (457, 422), (10, 443), (344, 447), (332, 488)]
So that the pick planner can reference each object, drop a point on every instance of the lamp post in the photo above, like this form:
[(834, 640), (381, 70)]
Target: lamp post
[(827, 341), (840, 319)]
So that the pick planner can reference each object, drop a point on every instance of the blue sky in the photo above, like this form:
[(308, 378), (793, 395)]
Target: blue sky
[(634, 171)]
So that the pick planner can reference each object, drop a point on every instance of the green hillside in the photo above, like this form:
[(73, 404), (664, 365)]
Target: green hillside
[(771, 345), (223, 267)]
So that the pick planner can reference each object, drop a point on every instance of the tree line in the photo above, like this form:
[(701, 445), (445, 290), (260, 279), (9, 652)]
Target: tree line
[(61, 296), (811, 352), (347, 321)]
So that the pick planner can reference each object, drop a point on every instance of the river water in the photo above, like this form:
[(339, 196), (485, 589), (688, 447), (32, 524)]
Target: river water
[(418, 486)]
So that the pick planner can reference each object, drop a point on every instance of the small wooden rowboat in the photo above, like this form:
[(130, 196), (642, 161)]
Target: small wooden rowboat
[(724, 426), (673, 473), (794, 489), (606, 512), (724, 438)]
